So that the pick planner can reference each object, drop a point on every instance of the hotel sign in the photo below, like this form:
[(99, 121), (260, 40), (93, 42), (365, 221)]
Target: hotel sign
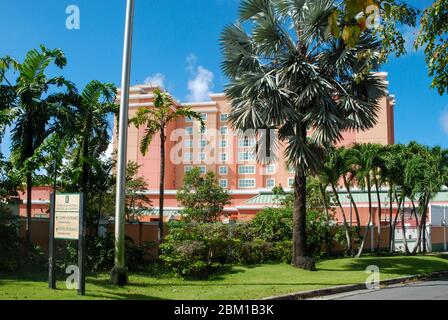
[(66, 216)]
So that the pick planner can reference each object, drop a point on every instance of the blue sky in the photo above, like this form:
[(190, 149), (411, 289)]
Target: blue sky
[(176, 42)]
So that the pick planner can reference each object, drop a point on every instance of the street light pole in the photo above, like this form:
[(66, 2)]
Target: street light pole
[(118, 273)]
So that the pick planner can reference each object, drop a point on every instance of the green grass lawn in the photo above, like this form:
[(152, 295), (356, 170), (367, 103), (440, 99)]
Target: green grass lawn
[(238, 282)]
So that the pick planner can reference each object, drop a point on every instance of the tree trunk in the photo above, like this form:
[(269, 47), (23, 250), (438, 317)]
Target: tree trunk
[(355, 207), (403, 229), (162, 183), (29, 190), (391, 233), (344, 218), (369, 194), (378, 245), (300, 258), (85, 173)]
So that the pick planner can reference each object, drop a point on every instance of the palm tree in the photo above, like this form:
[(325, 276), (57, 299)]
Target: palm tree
[(90, 134), (348, 157), (7, 94), (366, 154), (38, 108), (333, 169), (291, 74), (156, 120)]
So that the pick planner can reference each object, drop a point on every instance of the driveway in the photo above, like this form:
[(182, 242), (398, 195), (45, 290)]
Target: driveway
[(424, 290)]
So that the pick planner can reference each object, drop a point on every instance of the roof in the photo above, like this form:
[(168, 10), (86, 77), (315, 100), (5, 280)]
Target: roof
[(358, 196), (265, 198)]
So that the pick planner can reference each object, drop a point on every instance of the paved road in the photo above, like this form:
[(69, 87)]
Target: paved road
[(427, 290)]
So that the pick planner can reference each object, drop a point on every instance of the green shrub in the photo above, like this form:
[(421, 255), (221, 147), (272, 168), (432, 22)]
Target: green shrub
[(12, 247), (195, 249), (100, 254), (192, 248)]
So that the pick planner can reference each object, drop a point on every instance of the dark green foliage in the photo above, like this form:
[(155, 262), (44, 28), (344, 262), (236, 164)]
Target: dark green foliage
[(202, 197), (12, 247), (100, 254), (196, 249)]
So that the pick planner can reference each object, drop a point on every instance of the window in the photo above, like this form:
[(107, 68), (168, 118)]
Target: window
[(202, 143), (223, 170), (204, 116), (189, 130), (188, 143), (223, 117), (224, 130), (246, 169), (188, 119), (246, 156), (246, 183), (188, 168), (246, 142), (270, 183), (223, 157), (290, 182), (291, 169), (188, 157), (269, 169), (202, 156), (223, 183), (203, 130), (224, 143), (202, 169)]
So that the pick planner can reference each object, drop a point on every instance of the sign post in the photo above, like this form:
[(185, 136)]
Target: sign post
[(67, 222)]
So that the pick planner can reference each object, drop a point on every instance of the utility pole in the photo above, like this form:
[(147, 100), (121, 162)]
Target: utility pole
[(119, 274)]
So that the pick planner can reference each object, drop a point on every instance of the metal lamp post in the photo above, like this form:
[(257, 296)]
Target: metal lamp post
[(118, 273)]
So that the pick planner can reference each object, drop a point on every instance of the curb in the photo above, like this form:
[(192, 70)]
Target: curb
[(353, 287)]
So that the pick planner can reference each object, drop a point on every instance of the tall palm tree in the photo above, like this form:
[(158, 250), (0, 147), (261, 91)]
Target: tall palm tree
[(333, 169), (155, 120), (38, 108), (291, 74), (90, 132), (348, 157)]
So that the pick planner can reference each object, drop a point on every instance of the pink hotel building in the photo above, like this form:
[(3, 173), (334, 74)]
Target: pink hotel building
[(221, 150)]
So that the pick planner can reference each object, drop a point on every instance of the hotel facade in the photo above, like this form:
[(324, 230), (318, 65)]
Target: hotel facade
[(227, 153)]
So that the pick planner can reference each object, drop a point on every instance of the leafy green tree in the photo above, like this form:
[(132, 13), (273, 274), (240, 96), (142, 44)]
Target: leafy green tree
[(38, 112), (285, 75), (155, 120), (136, 202), (202, 197), (433, 36), (392, 17)]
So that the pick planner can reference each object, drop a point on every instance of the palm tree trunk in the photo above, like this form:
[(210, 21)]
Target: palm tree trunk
[(355, 207), (403, 229), (379, 212), (391, 234), (300, 258), (423, 223), (29, 190), (369, 194), (344, 218), (162, 183)]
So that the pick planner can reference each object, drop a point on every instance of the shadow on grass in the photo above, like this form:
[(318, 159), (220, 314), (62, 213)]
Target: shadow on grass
[(397, 265)]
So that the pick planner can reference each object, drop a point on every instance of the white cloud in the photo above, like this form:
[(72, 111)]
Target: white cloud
[(199, 86), (444, 120), (157, 79)]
